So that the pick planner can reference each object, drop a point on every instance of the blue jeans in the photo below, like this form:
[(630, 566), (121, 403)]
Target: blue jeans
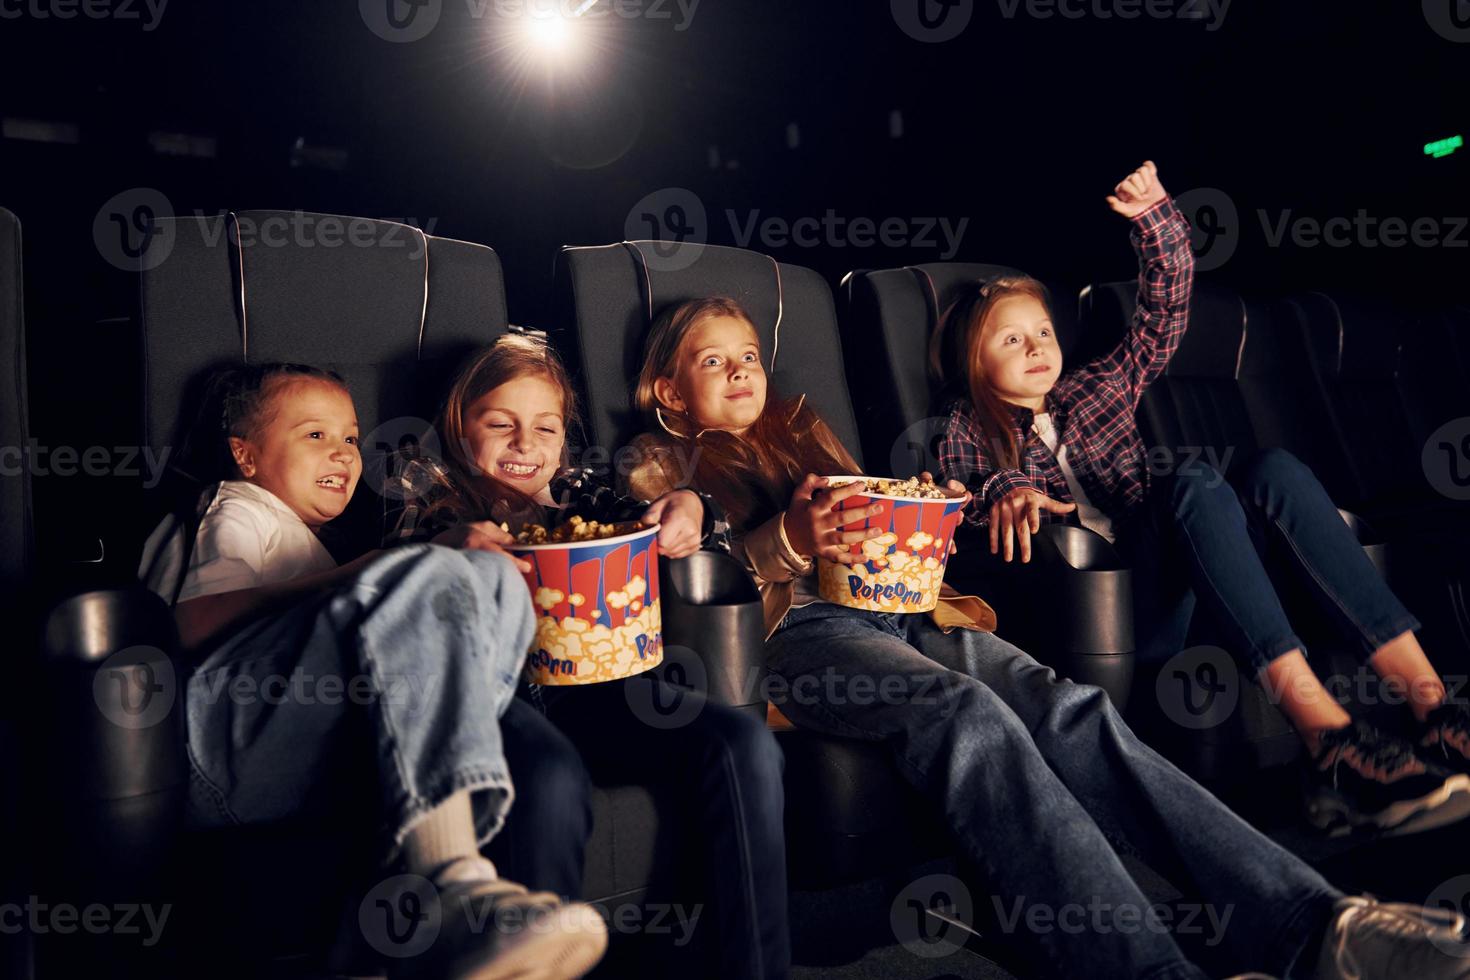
[(1189, 540), (1041, 781), (722, 769), (404, 673)]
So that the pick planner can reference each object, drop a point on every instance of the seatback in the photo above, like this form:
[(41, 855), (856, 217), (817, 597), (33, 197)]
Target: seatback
[(16, 532), (391, 309), (888, 317), (607, 297), (1195, 406)]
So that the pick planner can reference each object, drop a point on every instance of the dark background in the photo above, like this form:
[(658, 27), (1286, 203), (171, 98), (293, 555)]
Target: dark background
[(1021, 125)]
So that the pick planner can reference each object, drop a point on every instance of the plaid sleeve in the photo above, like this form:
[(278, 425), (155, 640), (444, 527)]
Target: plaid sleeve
[(964, 456), (1160, 236), (588, 497)]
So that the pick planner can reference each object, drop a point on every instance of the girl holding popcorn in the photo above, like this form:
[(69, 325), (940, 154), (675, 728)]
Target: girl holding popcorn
[(257, 598), (504, 427), (1039, 779)]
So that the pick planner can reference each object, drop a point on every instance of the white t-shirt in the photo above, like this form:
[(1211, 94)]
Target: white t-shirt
[(248, 537), (1091, 518)]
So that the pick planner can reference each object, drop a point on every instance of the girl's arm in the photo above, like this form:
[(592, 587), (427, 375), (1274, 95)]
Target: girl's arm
[(966, 456), (205, 620), (1160, 236)]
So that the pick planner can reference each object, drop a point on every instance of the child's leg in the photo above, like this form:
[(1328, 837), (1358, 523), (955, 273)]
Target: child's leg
[(1289, 503), (723, 768), (851, 674), (1275, 901), (1202, 524)]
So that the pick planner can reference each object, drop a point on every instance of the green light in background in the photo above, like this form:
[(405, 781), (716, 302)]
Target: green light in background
[(1443, 148)]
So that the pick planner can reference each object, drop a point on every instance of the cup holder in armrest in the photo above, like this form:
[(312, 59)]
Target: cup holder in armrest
[(114, 696), (714, 625), (1071, 606)]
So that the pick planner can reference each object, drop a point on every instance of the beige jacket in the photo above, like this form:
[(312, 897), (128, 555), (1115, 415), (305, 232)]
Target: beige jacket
[(768, 555)]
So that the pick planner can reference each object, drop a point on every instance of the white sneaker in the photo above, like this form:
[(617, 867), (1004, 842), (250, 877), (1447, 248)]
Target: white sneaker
[(1372, 940)]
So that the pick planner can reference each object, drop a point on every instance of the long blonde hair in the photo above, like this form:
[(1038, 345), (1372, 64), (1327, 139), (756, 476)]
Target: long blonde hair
[(752, 475)]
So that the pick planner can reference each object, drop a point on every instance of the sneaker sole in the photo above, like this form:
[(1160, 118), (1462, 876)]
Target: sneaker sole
[(565, 954), (1331, 813)]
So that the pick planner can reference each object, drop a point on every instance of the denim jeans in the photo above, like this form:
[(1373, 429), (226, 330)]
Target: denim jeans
[(404, 673), (1190, 539), (1042, 782), (543, 844), (723, 770)]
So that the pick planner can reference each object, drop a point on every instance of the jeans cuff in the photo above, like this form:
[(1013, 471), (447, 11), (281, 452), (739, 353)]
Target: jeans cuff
[(1376, 636), (1301, 935), (1263, 656)]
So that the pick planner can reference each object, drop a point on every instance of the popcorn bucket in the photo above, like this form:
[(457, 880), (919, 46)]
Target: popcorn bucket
[(903, 568), (597, 609)]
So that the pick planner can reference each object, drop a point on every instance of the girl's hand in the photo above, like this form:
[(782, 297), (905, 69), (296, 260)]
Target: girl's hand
[(955, 485), (816, 528), (481, 536), (1137, 192), (1018, 515), (681, 514)]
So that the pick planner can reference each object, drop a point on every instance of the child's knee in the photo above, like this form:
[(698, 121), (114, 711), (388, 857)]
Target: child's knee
[(1273, 468)]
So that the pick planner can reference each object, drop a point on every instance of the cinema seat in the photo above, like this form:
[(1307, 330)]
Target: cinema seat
[(888, 317), (849, 814)]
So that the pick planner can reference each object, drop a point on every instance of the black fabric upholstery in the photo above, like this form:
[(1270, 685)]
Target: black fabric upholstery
[(390, 309), (888, 316), (15, 487), (603, 316)]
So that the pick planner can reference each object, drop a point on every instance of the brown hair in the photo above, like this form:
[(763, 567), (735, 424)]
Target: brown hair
[(751, 476), (238, 401), (467, 492), (957, 343)]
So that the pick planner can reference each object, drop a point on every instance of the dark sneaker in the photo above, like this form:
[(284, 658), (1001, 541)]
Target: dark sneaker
[(1446, 737), (1364, 779), (1368, 939)]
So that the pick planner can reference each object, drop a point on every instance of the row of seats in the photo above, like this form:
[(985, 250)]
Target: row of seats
[(396, 321)]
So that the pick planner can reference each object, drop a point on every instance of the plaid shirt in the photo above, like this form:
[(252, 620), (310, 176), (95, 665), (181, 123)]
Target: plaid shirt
[(1091, 406)]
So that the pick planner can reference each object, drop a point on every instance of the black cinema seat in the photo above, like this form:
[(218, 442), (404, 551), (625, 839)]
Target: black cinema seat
[(849, 814), (889, 316)]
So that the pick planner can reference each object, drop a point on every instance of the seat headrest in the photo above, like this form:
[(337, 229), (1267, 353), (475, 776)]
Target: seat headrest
[(608, 296)]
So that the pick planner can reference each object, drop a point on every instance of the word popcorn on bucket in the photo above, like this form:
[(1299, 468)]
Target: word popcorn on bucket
[(597, 605), (902, 568)]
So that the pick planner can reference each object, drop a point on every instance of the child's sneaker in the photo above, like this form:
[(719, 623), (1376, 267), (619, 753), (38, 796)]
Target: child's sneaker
[(1364, 779), (493, 929), (1446, 737), (1368, 939)]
